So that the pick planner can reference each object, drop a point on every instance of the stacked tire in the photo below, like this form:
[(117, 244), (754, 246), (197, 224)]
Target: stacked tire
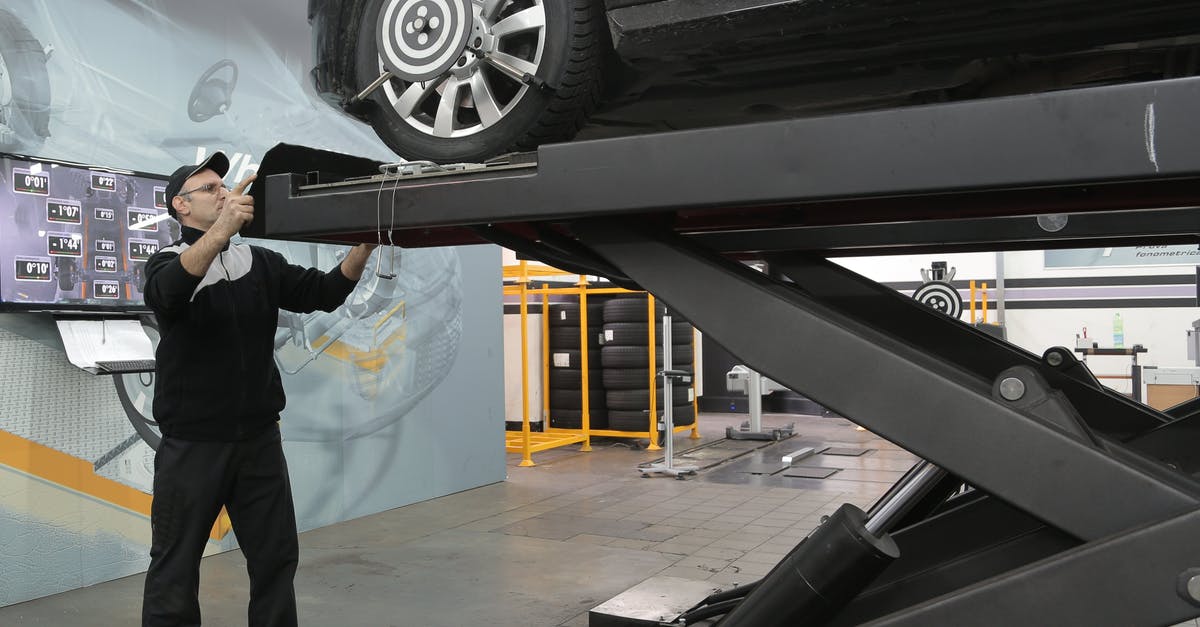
[(625, 357), (566, 368)]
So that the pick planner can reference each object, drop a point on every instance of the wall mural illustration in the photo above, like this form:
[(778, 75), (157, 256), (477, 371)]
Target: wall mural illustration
[(374, 388)]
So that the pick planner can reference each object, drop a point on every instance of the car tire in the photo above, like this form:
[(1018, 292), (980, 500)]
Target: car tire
[(568, 337), (24, 86), (625, 378), (566, 358), (632, 309), (639, 356), (575, 42), (640, 399), (573, 399), (573, 419), (572, 378), (638, 334), (567, 314)]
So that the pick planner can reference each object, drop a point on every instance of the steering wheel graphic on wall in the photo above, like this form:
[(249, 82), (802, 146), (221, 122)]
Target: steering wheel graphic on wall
[(213, 95)]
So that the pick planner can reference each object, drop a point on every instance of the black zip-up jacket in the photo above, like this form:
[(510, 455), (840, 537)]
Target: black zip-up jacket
[(216, 377)]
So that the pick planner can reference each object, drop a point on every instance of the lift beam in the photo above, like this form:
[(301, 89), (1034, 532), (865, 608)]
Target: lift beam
[(1085, 505)]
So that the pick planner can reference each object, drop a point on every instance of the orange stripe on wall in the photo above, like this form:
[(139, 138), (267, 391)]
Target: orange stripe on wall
[(74, 473), (68, 471)]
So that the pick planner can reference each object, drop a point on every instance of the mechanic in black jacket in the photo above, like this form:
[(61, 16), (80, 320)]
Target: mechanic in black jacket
[(217, 396)]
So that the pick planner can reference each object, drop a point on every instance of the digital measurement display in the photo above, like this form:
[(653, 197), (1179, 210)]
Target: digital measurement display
[(105, 264), (63, 211), (142, 219), (64, 245), (104, 182), (26, 182), (74, 237), (33, 269), (142, 249), (106, 289)]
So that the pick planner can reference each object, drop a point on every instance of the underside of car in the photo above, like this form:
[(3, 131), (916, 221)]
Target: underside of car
[(628, 66)]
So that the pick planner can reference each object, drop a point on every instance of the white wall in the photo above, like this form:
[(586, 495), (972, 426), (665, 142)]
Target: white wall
[(896, 268), (1162, 330), (513, 411)]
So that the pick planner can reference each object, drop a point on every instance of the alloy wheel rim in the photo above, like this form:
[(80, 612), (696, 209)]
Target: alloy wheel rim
[(473, 95)]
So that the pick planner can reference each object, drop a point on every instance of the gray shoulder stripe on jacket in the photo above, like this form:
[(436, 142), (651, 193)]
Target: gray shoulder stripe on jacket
[(229, 265)]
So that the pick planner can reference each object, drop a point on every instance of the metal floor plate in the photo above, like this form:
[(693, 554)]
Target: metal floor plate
[(849, 452), (808, 472)]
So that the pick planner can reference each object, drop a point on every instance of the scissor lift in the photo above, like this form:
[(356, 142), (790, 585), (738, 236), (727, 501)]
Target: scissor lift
[(1084, 507)]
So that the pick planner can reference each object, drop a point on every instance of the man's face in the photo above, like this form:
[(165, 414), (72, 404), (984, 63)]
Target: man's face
[(200, 207)]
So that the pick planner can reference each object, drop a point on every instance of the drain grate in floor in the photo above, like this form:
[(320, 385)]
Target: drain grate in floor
[(808, 472)]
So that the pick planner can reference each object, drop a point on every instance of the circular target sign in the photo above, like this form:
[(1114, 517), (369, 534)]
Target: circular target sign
[(941, 296), (420, 40)]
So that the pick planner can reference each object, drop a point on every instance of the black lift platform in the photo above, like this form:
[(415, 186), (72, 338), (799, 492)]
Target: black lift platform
[(1081, 508)]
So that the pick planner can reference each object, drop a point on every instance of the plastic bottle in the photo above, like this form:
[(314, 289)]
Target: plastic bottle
[(1118, 331)]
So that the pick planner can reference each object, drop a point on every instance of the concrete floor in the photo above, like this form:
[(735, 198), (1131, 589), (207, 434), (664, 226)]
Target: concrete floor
[(545, 546)]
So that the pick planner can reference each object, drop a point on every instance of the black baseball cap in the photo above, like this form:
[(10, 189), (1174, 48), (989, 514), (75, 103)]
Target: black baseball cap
[(217, 162)]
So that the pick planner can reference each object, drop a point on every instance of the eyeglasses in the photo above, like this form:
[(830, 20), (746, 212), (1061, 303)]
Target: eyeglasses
[(207, 188)]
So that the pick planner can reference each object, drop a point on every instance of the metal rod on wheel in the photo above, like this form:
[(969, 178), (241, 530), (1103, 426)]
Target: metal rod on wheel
[(362, 95)]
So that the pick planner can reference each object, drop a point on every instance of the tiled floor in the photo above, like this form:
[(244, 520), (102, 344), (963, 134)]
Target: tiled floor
[(545, 546), (542, 547)]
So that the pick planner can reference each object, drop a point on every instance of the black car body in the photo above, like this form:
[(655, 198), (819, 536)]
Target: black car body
[(670, 64)]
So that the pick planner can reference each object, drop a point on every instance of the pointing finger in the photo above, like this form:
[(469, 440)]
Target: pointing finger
[(241, 187)]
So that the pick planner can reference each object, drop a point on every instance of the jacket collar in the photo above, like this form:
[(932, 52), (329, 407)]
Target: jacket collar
[(191, 234)]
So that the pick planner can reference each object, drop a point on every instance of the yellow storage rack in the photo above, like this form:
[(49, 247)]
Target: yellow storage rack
[(525, 441)]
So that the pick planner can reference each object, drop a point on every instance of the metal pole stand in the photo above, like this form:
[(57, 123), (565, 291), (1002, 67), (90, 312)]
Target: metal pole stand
[(669, 377), (750, 382)]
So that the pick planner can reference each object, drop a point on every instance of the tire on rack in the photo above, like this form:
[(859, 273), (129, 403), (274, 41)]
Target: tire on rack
[(638, 334), (564, 48), (628, 420), (567, 358), (572, 378), (632, 378), (684, 415), (626, 378), (573, 419), (567, 314), (640, 399), (639, 420), (568, 337), (573, 399), (682, 356), (631, 309)]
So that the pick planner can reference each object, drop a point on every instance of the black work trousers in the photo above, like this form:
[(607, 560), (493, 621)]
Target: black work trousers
[(192, 480)]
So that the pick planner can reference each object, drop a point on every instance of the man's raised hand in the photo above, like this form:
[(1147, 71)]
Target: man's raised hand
[(238, 210)]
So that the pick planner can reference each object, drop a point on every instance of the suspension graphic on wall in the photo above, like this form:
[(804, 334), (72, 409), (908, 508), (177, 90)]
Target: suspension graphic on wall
[(937, 292), (24, 86), (385, 349)]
